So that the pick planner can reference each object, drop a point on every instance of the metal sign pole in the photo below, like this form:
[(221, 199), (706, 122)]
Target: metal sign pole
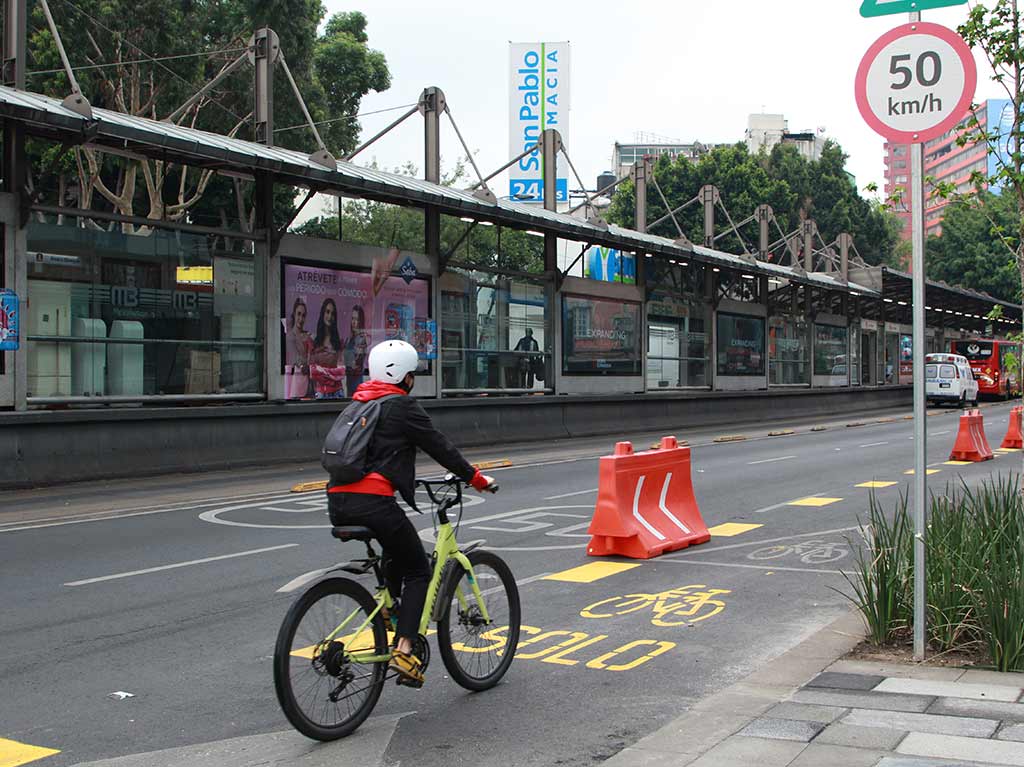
[(920, 431)]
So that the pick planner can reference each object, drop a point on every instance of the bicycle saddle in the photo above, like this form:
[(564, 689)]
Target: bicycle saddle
[(352, 533)]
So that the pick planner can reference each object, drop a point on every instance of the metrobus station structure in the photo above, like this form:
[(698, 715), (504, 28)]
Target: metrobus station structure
[(163, 343)]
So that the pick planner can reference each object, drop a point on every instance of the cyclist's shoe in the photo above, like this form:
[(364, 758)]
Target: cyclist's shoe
[(408, 667)]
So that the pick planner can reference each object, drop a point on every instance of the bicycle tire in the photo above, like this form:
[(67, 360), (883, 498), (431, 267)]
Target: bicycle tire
[(283, 655), (770, 552), (449, 654)]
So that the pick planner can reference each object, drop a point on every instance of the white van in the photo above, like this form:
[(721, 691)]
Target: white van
[(948, 378)]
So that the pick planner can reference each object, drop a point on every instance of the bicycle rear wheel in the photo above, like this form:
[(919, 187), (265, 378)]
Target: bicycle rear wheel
[(322, 691), (477, 652)]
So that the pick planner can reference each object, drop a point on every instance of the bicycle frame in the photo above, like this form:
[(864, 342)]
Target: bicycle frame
[(445, 548)]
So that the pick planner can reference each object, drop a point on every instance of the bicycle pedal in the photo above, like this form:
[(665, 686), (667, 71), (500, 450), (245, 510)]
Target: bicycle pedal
[(403, 681)]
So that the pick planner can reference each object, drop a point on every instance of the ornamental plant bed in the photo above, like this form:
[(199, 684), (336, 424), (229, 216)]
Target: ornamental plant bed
[(974, 574)]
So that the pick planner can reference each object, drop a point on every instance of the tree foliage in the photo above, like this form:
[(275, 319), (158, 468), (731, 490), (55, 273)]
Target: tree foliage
[(972, 249), (114, 43), (796, 189)]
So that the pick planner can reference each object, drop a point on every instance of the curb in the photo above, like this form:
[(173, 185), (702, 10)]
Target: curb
[(719, 716)]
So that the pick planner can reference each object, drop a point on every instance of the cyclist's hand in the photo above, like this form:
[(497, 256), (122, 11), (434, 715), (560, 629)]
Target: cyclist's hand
[(484, 483)]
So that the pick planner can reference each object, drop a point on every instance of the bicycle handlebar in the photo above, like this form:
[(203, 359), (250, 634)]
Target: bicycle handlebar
[(449, 480)]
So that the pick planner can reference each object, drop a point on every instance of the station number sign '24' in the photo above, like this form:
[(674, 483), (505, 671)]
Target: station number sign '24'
[(916, 82)]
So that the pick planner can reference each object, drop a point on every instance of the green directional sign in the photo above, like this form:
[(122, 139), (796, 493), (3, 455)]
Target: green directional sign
[(871, 8)]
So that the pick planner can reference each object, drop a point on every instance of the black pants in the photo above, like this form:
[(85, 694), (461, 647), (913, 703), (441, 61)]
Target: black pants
[(406, 567)]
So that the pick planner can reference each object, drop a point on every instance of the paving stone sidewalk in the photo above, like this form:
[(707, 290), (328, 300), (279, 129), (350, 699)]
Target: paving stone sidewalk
[(807, 708)]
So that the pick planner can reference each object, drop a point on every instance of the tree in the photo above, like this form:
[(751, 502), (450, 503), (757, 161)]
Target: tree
[(384, 225), (969, 252), (796, 189), (996, 30), (116, 41)]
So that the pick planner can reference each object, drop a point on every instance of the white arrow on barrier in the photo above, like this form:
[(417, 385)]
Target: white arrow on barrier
[(664, 508), (636, 510)]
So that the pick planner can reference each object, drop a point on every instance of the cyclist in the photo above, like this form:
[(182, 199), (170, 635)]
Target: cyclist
[(402, 427)]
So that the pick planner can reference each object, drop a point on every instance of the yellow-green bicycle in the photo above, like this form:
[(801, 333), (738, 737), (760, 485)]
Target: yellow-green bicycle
[(332, 652)]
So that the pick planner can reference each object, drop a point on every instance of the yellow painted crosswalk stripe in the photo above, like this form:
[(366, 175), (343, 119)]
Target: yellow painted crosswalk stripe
[(876, 483), (814, 500), (729, 529), (588, 573), (13, 753), (957, 463), (926, 471)]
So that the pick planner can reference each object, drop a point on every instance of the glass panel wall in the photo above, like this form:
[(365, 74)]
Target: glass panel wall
[(740, 342), (831, 348), (600, 336), (495, 332), (678, 326), (112, 314), (788, 335), (788, 351)]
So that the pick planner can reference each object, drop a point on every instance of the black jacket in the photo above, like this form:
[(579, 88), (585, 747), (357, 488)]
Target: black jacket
[(404, 426)]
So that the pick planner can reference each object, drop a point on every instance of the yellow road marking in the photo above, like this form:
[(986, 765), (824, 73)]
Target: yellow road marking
[(926, 471), (729, 529), (594, 571), (815, 500), (364, 645), (13, 753), (958, 463), (875, 483), (1007, 449), (499, 463), (309, 487)]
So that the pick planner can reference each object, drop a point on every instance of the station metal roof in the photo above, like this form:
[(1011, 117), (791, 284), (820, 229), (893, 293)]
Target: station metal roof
[(163, 140), (44, 115)]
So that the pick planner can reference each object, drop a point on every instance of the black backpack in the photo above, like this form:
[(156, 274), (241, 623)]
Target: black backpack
[(344, 452)]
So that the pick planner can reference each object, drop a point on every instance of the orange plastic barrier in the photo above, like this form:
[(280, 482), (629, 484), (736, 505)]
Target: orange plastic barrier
[(1014, 437), (645, 504), (971, 443)]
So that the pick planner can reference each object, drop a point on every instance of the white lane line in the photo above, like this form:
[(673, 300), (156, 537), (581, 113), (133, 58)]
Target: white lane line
[(190, 506), (180, 564), (570, 495), (873, 444), (939, 433), (712, 549), (771, 460), (754, 567)]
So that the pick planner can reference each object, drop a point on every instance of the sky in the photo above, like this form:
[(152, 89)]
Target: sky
[(684, 70)]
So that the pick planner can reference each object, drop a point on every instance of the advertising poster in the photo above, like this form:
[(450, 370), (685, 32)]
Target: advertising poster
[(538, 100), (906, 369), (600, 336), (610, 265), (333, 317), (740, 345), (8, 321)]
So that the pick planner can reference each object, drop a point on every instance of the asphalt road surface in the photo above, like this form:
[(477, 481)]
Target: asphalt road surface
[(172, 590)]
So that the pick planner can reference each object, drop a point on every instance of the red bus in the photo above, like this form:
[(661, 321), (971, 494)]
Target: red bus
[(989, 360)]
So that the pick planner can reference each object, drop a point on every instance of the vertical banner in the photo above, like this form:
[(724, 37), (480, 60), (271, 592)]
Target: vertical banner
[(8, 321), (538, 100)]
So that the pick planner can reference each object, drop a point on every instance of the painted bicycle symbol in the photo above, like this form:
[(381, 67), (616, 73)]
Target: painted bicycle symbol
[(810, 552), (676, 607)]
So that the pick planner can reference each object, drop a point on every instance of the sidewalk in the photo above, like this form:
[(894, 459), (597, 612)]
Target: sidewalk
[(809, 709)]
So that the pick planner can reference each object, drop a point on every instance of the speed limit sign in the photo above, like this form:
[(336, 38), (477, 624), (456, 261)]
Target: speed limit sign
[(916, 82)]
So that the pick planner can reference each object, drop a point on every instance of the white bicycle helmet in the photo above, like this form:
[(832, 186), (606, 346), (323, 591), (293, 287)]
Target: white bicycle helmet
[(391, 361)]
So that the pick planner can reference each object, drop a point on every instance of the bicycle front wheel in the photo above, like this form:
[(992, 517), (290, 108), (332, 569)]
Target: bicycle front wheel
[(323, 686), (477, 651)]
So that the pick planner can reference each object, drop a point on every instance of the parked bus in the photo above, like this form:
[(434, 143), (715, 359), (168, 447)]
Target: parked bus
[(990, 363)]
